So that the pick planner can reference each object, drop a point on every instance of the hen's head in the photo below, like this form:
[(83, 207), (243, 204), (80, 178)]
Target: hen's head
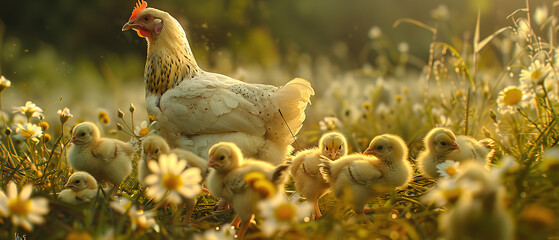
[(153, 146), (224, 156), (150, 23), (441, 141), (80, 181), (333, 145), (387, 147), (84, 133)]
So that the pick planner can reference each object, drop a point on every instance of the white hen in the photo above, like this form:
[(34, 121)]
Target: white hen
[(104, 158), (441, 144), (226, 180), (361, 178), (304, 169), (197, 109)]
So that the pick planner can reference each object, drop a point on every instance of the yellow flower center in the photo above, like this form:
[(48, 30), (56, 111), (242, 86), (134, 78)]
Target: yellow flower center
[(452, 194), (143, 132), (19, 207), (265, 188), (450, 171), (536, 74), (171, 181), (251, 177), (285, 212), (512, 96), (27, 133)]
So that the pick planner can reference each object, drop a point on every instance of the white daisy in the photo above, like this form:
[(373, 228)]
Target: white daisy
[(540, 15), (30, 110), (64, 115), (224, 232), (329, 124), (535, 74), (171, 176), (448, 168), (4, 83), (23, 210), (512, 97), (29, 131), (143, 130), (446, 192), (279, 214), (140, 220)]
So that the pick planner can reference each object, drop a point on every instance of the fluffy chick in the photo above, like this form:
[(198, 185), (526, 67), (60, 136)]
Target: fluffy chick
[(360, 178), (226, 180), (104, 158), (480, 211), (152, 147), (304, 169), (441, 144), (82, 187)]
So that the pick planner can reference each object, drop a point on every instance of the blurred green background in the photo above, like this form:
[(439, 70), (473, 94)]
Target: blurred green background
[(76, 50)]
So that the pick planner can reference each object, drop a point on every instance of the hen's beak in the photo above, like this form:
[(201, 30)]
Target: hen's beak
[(129, 25)]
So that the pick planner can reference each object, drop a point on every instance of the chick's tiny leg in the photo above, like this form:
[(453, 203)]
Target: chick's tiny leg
[(189, 205), (316, 210), (236, 221), (243, 229)]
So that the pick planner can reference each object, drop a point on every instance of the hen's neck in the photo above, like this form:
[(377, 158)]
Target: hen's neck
[(169, 59)]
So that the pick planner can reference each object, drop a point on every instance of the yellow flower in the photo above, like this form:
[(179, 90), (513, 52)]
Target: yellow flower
[(511, 97), (23, 210), (104, 117), (142, 130), (30, 110), (535, 74), (64, 115), (171, 176)]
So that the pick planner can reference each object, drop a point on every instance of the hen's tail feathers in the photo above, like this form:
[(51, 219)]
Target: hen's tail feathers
[(280, 174), (325, 168), (292, 100)]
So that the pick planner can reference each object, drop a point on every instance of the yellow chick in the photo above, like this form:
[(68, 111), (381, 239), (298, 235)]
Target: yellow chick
[(361, 178), (226, 180), (441, 144), (480, 211), (104, 158), (82, 187), (152, 147), (304, 169)]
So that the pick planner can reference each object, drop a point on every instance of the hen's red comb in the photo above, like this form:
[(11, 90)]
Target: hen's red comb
[(139, 7)]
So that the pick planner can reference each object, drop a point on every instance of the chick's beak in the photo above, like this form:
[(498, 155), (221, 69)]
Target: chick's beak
[(67, 185), (454, 146), (369, 151), (129, 25), (211, 162)]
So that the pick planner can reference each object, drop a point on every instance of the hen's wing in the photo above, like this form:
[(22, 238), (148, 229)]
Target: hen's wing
[(214, 103)]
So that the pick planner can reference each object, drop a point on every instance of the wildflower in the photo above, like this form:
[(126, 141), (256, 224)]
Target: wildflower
[(535, 74), (540, 15), (23, 210), (446, 192), (140, 220), (169, 176), (121, 205), (375, 32), (224, 232), (64, 115), (448, 168), (29, 131), (279, 213), (143, 130), (120, 114), (523, 32), (403, 47), (132, 108), (4, 83), (511, 97), (104, 117), (329, 124), (440, 13), (30, 110)]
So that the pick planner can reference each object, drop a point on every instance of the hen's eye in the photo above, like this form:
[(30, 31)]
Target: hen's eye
[(146, 18), (221, 158)]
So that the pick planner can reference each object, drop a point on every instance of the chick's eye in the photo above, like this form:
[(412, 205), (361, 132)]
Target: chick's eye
[(77, 181), (82, 134), (156, 150), (340, 147), (379, 147), (221, 158), (326, 148), (443, 143)]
